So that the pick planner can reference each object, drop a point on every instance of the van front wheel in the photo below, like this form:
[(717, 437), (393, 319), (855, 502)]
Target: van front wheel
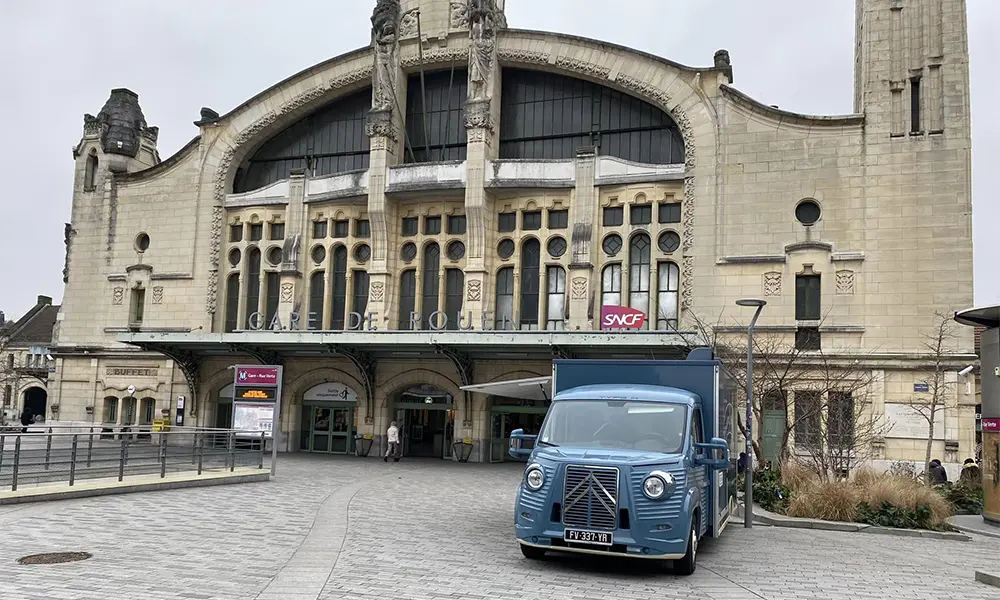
[(688, 564)]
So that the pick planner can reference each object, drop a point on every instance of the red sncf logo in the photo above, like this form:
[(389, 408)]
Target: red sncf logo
[(621, 317)]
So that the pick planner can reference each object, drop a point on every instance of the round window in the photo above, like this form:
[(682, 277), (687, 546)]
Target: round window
[(505, 249), (669, 241), (142, 242), (456, 250), (612, 244), (807, 212), (319, 254), (557, 247), (362, 253), (274, 255), (234, 257), (409, 251)]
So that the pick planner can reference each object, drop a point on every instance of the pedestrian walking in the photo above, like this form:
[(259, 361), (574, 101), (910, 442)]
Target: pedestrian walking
[(26, 419), (392, 437)]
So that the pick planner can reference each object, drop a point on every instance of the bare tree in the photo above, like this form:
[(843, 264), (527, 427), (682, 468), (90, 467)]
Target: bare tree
[(931, 403), (825, 399)]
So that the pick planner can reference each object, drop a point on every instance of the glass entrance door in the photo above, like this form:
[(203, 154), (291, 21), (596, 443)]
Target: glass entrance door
[(330, 429), (502, 423)]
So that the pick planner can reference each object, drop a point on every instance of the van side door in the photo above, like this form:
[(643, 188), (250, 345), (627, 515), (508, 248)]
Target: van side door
[(701, 476)]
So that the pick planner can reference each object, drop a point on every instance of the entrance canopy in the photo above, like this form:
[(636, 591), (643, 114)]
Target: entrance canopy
[(533, 388)]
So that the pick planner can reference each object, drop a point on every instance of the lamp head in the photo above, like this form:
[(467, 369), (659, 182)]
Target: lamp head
[(755, 302)]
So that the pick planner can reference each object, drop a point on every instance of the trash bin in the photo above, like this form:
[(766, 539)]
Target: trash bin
[(462, 450), (363, 444)]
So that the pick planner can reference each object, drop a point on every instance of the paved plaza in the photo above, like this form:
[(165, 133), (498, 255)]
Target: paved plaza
[(362, 529)]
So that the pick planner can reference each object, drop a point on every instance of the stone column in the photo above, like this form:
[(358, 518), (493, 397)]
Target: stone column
[(292, 298), (583, 282)]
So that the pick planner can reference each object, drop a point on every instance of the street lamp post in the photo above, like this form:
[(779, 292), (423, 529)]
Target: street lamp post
[(748, 468)]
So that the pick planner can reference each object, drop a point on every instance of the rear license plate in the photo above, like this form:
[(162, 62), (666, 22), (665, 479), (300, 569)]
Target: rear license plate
[(600, 538)]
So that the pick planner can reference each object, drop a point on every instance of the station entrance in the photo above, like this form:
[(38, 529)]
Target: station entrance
[(425, 416)]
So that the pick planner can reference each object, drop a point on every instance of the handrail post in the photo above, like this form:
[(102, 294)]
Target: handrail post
[(17, 463), (72, 462), (194, 447), (231, 458), (48, 449), (201, 452), (163, 456), (90, 445), (121, 462), (3, 449), (260, 462)]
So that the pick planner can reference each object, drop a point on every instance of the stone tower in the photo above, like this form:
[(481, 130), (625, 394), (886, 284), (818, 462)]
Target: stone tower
[(912, 84), (115, 142)]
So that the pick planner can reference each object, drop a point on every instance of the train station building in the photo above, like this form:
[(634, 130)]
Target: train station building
[(462, 201)]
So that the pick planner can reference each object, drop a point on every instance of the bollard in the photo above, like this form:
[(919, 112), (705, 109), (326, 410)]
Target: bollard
[(90, 445), (201, 452), (163, 457), (121, 463), (48, 449), (231, 458), (17, 463), (260, 462), (72, 462)]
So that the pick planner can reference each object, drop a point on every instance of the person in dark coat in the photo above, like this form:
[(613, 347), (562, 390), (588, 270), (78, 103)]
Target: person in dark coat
[(970, 475), (26, 419), (939, 476)]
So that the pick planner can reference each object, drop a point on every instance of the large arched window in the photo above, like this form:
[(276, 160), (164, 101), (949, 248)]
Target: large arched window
[(232, 302), (611, 285), (505, 298), (331, 140), (556, 299), (454, 282), (638, 274), (317, 288), (431, 282), (338, 286), (666, 301), (253, 286), (530, 283), (272, 282), (548, 116), (441, 134), (407, 297), (360, 282)]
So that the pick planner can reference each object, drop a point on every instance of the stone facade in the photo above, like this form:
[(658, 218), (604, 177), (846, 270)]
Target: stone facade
[(891, 242)]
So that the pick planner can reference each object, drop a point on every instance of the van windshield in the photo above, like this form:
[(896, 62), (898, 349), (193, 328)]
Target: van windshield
[(615, 424)]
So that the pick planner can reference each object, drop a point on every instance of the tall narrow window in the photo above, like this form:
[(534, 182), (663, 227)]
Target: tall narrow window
[(555, 278), (666, 300), (110, 409), (407, 297), (611, 285), (638, 274), (256, 232), (232, 302), (454, 283), (431, 282), (129, 411), (148, 410), (840, 424), (90, 176), (360, 303), (808, 407), (530, 285), (338, 287), (317, 287), (236, 233), (807, 297), (253, 286), (505, 298), (138, 306), (277, 231), (273, 282), (915, 105)]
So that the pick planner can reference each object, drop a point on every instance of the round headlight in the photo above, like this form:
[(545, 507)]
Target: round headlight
[(534, 478), (658, 485)]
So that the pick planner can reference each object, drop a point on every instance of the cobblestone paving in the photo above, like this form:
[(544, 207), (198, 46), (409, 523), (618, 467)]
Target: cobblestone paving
[(362, 529)]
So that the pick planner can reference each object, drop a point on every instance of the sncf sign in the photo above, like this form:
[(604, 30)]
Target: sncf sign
[(621, 317)]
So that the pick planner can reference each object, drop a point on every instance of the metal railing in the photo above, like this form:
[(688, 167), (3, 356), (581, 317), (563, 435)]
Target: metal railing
[(49, 455)]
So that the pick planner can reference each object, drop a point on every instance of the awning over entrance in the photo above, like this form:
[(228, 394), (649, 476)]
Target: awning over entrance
[(533, 388)]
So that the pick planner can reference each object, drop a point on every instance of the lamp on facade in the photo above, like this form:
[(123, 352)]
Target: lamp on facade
[(748, 468)]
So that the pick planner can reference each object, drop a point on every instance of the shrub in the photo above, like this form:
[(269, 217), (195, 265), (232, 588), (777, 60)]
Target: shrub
[(908, 494), (829, 501), (963, 497), (769, 491), (797, 476), (888, 515)]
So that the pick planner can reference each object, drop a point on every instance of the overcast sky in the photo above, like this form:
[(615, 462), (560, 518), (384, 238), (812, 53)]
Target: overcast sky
[(62, 57)]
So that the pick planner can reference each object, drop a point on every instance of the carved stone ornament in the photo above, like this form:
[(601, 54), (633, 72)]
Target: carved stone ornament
[(290, 250), (385, 29), (484, 21), (845, 282), (687, 217), (117, 295), (286, 293), (377, 291), (475, 290), (687, 282), (479, 116), (379, 124), (408, 24), (158, 295), (460, 15), (579, 288), (772, 283)]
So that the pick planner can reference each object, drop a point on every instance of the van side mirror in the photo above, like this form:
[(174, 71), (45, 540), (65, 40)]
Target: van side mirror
[(517, 439), (710, 449)]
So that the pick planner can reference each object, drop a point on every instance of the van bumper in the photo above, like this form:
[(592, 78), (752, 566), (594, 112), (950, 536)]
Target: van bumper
[(626, 543)]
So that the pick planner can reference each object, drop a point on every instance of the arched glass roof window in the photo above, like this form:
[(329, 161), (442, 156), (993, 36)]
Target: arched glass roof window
[(549, 116), (439, 133), (330, 140)]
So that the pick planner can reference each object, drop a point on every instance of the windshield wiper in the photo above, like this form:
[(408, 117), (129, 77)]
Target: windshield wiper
[(541, 443)]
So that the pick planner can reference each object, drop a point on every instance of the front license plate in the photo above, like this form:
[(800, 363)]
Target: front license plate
[(601, 538)]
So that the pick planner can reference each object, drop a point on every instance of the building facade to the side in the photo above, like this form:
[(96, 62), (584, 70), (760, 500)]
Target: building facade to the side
[(26, 363), (498, 179)]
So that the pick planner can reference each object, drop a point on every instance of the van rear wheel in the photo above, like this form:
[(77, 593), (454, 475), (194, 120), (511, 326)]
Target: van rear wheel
[(688, 564), (532, 552)]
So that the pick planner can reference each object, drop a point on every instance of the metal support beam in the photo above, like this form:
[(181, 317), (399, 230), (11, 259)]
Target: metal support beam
[(262, 355), (190, 366), (366, 365), (465, 366), (560, 352)]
